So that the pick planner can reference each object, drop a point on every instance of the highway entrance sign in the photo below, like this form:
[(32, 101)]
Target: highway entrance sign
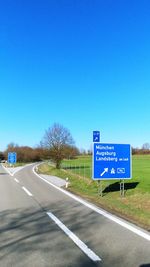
[(96, 136), (111, 161), (12, 157)]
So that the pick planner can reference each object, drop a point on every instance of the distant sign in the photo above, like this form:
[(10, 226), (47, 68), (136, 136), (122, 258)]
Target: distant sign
[(96, 136), (111, 161), (12, 157)]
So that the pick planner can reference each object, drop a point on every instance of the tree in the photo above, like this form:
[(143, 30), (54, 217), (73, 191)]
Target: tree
[(146, 146), (56, 139), (71, 152), (24, 153), (2, 156)]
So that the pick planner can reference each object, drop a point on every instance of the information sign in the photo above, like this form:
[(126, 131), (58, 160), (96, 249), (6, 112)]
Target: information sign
[(96, 136), (12, 157), (111, 161)]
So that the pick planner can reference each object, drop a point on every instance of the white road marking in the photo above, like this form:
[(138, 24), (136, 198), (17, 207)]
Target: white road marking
[(14, 170), (125, 224), (7, 170), (27, 191), (16, 180), (74, 238)]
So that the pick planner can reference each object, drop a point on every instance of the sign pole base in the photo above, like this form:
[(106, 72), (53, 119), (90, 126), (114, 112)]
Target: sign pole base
[(122, 188), (100, 188)]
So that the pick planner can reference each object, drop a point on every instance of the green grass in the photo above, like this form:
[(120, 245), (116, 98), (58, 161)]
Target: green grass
[(17, 164), (135, 206), (80, 166)]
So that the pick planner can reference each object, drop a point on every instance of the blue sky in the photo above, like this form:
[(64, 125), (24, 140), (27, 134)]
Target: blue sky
[(83, 64)]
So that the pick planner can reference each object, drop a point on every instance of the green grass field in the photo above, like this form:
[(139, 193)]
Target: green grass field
[(140, 169), (134, 206)]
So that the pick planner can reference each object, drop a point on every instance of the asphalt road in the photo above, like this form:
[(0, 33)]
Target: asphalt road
[(42, 226)]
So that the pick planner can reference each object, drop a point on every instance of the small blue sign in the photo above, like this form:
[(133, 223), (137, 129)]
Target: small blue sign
[(96, 136), (12, 157), (111, 161)]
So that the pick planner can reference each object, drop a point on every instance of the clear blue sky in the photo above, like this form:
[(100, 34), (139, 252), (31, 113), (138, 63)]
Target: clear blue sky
[(83, 64)]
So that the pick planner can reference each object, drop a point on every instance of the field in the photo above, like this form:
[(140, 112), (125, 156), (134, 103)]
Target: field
[(134, 206)]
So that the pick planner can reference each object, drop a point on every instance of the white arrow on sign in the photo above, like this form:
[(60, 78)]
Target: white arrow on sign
[(105, 170)]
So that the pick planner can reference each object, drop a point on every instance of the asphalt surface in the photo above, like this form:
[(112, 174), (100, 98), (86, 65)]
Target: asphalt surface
[(34, 216)]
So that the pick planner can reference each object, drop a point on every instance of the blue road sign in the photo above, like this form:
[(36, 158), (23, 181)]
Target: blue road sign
[(111, 161), (96, 136), (12, 157)]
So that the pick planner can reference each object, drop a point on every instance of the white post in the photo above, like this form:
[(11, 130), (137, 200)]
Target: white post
[(67, 182)]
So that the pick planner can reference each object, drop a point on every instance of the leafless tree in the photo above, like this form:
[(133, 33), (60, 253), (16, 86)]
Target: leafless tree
[(146, 146), (56, 139)]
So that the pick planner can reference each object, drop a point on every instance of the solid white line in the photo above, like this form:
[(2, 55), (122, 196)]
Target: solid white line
[(27, 191), (74, 238), (7, 170), (16, 170), (129, 226), (16, 180)]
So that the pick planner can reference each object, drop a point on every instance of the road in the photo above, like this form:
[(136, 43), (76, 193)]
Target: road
[(41, 226)]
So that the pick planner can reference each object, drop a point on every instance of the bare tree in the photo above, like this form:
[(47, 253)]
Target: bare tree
[(56, 139), (146, 146)]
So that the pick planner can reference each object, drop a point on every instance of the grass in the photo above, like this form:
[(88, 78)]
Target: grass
[(135, 206), (17, 164)]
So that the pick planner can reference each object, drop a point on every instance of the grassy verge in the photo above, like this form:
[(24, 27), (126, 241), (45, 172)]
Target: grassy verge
[(17, 164), (135, 206)]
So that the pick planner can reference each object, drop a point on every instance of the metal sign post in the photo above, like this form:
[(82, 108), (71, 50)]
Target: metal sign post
[(122, 188), (100, 188)]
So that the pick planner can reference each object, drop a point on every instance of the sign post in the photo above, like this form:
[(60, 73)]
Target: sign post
[(122, 188)]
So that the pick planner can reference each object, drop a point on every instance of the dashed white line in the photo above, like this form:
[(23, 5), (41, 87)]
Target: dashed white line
[(16, 180), (75, 239), (27, 191)]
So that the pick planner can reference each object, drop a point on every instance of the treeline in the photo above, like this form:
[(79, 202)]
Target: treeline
[(57, 144), (145, 150), (24, 153), (137, 151), (28, 154)]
